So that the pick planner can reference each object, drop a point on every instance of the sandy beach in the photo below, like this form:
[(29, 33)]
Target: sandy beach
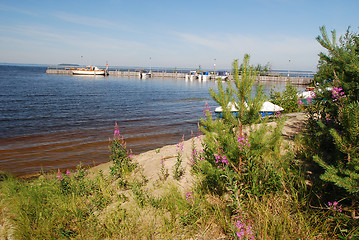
[(150, 161)]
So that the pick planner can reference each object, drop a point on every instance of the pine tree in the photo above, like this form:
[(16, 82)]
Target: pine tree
[(222, 134), (237, 151), (333, 126), (341, 63), (345, 171)]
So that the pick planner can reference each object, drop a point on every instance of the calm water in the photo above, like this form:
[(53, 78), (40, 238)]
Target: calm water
[(59, 121)]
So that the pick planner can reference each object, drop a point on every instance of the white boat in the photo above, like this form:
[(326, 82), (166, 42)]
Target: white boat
[(192, 75), (89, 70), (267, 109), (222, 75), (145, 74)]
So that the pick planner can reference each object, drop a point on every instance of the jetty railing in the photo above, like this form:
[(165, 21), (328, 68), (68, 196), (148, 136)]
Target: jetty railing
[(295, 77)]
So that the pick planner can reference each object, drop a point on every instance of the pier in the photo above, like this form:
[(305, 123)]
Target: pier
[(296, 78)]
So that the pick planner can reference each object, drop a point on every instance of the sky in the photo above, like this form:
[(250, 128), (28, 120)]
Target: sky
[(165, 33)]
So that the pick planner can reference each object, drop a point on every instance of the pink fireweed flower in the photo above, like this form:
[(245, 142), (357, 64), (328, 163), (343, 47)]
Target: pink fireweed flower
[(131, 154), (225, 160), (335, 206), (116, 133), (68, 172), (180, 145), (244, 230), (59, 174), (243, 142), (222, 161), (194, 157), (337, 93), (206, 108), (189, 196)]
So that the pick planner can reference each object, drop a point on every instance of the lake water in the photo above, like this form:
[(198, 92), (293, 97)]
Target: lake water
[(59, 121)]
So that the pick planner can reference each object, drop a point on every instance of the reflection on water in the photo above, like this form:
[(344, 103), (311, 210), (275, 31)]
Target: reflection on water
[(57, 121)]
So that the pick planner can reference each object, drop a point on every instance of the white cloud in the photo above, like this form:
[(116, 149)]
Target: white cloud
[(83, 20), (49, 36), (4, 7), (92, 21)]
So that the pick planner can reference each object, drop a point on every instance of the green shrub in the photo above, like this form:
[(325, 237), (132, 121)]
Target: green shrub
[(120, 157), (288, 99), (239, 155), (333, 125)]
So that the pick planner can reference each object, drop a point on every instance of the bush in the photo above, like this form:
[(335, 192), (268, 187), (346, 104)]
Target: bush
[(120, 157), (332, 135), (288, 99), (239, 155)]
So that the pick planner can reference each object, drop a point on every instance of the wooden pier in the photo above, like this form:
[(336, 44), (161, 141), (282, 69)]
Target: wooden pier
[(296, 78)]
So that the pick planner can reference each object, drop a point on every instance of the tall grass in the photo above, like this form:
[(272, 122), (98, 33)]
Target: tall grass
[(80, 205)]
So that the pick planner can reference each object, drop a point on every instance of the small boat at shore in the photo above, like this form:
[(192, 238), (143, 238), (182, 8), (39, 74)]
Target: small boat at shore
[(232, 108), (90, 70), (267, 109), (306, 97)]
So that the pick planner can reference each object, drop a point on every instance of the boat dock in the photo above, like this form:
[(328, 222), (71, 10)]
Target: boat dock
[(296, 78)]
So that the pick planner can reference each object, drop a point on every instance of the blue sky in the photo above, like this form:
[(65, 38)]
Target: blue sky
[(164, 33)]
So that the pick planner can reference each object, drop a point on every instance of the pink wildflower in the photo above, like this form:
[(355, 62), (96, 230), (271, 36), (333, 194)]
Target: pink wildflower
[(116, 133), (244, 231), (335, 206), (194, 157), (243, 142), (59, 174), (337, 93), (189, 196), (221, 160), (131, 154), (206, 108), (180, 145)]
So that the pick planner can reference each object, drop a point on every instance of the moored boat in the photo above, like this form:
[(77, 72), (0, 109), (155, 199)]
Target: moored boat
[(89, 70), (192, 75), (222, 75), (232, 108), (267, 109), (145, 74)]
